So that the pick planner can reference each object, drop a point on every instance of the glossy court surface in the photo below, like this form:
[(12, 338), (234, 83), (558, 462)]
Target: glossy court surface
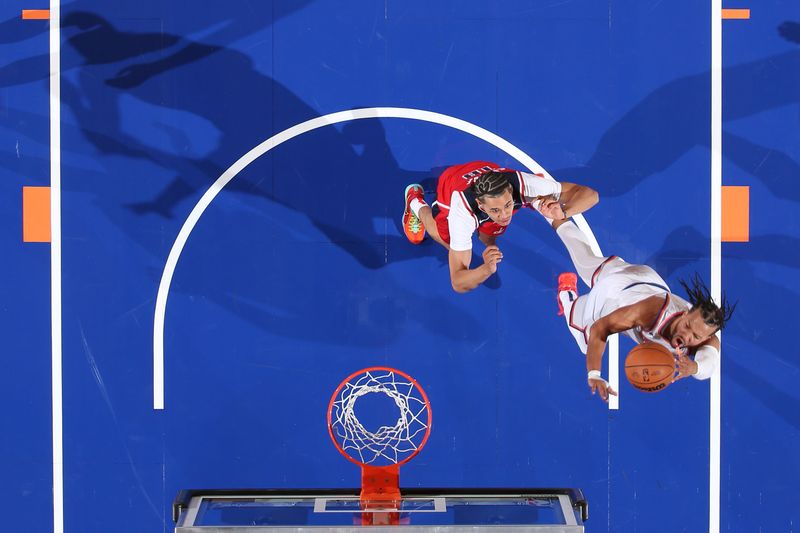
[(296, 272)]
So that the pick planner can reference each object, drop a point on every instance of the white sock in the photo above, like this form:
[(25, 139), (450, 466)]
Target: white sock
[(568, 299), (416, 204)]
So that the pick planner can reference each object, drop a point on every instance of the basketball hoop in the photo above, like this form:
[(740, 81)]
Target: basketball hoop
[(380, 451)]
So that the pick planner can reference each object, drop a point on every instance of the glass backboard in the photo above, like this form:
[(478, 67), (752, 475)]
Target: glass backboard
[(250, 511)]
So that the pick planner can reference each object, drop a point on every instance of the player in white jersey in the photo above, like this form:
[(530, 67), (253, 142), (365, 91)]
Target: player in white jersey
[(636, 301)]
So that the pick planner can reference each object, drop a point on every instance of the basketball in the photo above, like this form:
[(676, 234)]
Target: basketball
[(650, 367)]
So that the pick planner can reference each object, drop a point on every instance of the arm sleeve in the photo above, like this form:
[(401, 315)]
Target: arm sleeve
[(533, 185), (462, 223), (707, 359)]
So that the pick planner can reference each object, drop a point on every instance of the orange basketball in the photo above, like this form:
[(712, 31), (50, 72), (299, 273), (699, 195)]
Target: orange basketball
[(650, 367)]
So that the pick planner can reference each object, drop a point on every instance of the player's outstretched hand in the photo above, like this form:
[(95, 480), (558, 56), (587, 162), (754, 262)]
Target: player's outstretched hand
[(685, 367), (601, 387), (491, 256), (552, 208)]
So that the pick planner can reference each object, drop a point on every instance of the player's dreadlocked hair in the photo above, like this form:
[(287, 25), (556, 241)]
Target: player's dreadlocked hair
[(490, 184), (700, 297)]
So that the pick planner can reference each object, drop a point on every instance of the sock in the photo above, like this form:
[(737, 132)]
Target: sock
[(568, 299), (415, 205)]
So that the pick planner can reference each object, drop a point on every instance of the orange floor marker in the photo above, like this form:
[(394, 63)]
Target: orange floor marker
[(36, 214), (741, 14), (735, 214), (36, 14)]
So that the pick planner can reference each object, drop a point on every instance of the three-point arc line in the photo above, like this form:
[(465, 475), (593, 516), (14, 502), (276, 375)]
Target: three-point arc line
[(288, 134)]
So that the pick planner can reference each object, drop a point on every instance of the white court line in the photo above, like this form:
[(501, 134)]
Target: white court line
[(276, 140), (613, 370), (55, 263), (716, 260)]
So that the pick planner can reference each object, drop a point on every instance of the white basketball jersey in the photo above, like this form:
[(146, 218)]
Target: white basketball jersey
[(673, 307), (619, 284)]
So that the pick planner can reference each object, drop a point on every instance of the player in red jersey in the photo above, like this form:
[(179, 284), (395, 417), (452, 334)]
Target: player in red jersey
[(483, 196)]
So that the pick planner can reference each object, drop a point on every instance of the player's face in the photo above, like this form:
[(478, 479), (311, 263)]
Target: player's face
[(691, 330), (500, 208)]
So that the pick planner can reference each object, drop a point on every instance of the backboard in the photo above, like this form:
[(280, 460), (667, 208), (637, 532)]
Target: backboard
[(340, 510)]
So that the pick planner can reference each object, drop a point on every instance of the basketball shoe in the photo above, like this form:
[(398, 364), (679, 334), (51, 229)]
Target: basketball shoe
[(412, 225), (567, 281)]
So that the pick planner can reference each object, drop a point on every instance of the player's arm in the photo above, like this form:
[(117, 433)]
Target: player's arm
[(641, 314), (465, 279), (462, 225), (487, 240), (575, 199), (558, 200), (705, 362)]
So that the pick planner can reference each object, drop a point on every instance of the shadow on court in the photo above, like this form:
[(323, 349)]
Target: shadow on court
[(345, 179), (674, 118)]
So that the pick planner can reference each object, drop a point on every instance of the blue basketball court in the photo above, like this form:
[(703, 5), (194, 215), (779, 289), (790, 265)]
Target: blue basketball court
[(225, 247)]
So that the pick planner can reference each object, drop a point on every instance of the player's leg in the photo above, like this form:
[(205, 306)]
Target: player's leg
[(571, 306), (431, 224), (580, 251), (418, 217)]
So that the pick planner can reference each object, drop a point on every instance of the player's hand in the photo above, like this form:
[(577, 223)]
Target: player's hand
[(685, 367), (601, 387), (491, 256), (552, 208)]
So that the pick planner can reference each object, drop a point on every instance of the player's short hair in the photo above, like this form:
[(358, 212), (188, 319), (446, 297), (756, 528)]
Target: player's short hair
[(491, 184), (713, 315)]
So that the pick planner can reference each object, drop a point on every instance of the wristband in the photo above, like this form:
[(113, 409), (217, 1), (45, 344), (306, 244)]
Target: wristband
[(595, 374), (707, 359)]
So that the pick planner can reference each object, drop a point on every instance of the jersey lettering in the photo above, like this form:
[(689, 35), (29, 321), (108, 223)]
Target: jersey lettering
[(471, 176)]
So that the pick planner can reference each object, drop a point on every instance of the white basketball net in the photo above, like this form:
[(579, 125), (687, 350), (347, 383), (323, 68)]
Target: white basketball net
[(389, 444)]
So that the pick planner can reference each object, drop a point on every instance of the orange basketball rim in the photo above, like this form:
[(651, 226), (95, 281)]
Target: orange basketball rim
[(380, 452)]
